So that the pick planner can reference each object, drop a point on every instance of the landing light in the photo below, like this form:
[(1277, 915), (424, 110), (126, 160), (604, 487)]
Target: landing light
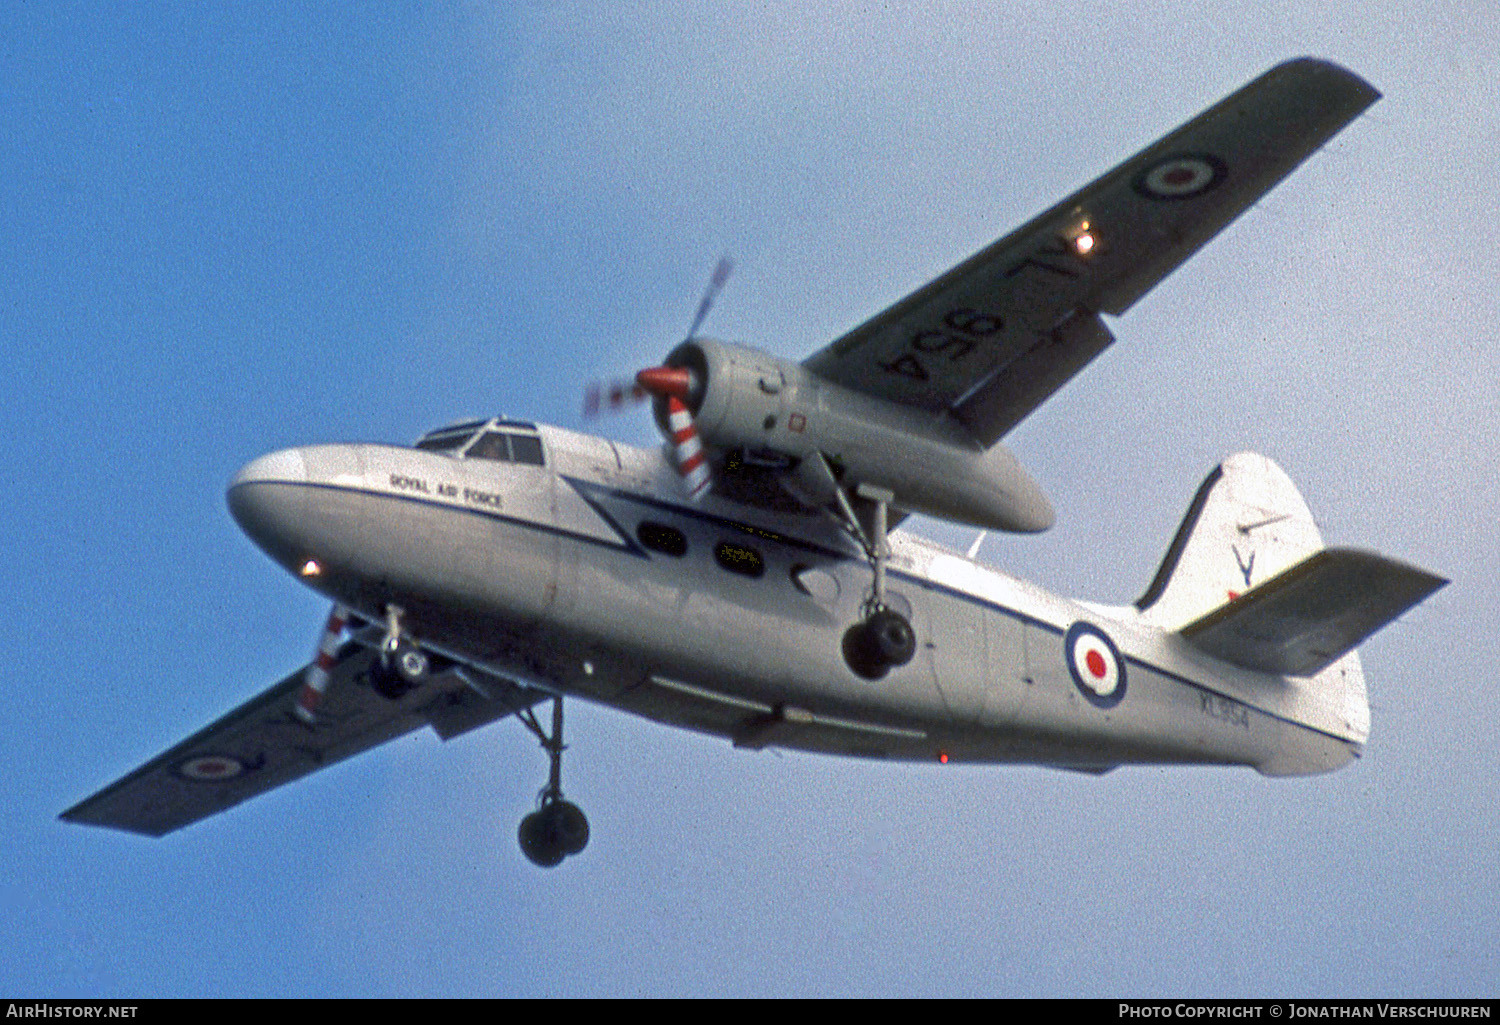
[(310, 568), (1081, 238)]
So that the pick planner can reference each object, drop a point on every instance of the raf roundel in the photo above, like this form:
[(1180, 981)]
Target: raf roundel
[(1180, 177), (1095, 664)]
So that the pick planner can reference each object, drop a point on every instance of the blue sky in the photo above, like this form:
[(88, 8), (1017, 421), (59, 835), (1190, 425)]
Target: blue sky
[(233, 228)]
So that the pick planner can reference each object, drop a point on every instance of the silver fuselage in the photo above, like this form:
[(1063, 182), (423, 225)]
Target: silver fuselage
[(546, 574)]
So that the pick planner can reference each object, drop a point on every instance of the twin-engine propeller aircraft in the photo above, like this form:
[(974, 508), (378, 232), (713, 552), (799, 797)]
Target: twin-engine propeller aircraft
[(745, 580)]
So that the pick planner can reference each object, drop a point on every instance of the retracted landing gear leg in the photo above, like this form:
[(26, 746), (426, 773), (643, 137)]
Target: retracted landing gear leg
[(557, 828)]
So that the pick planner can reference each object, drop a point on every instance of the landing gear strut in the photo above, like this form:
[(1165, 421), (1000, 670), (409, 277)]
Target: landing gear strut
[(884, 639), (557, 828)]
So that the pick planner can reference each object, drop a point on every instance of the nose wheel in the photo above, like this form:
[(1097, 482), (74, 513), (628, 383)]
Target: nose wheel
[(558, 828), (403, 664)]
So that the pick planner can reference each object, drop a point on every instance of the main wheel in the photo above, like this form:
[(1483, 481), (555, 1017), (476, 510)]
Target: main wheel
[(569, 825), (859, 653), (538, 842), (873, 646), (552, 833), (892, 638)]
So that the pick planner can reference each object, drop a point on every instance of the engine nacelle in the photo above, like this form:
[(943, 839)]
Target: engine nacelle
[(742, 398)]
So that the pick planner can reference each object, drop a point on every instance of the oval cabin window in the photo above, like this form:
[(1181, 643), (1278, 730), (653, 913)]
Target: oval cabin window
[(741, 559), (661, 538)]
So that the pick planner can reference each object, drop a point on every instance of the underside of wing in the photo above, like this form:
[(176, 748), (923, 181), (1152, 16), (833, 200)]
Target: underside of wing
[(263, 743), (1307, 617), (988, 341)]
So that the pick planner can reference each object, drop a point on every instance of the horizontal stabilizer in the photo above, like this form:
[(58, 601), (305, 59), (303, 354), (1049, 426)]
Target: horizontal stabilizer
[(1305, 618)]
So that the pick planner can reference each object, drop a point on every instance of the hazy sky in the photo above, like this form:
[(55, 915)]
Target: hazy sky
[(233, 228)]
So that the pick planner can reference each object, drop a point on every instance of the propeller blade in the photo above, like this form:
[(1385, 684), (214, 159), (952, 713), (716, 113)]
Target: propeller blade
[(692, 460), (715, 283), (315, 681), (611, 397), (659, 382)]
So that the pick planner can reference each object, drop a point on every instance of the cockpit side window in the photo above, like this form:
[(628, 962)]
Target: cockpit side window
[(507, 448), (492, 446), (526, 448)]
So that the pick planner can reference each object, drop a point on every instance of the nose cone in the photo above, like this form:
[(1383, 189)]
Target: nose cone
[(266, 498), (284, 467)]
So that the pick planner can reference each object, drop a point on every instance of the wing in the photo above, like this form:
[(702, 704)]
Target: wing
[(988, 341), (1307, 617), (262, 744)]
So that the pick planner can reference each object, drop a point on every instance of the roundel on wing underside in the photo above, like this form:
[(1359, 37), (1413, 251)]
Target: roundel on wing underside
[(1095, 664), (1181, 176)]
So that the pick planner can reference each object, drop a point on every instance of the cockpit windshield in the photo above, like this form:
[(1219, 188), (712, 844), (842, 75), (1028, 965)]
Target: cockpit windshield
[(450, 438), (509, 441)]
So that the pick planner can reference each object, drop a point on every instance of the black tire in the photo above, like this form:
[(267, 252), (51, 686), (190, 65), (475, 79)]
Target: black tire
[(569, 826), (538, 842), (884, 640), (860, 653), (387, 682), (892, 639)]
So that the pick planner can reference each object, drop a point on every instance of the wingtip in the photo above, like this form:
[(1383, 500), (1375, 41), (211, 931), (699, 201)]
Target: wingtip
[(1333, 77)]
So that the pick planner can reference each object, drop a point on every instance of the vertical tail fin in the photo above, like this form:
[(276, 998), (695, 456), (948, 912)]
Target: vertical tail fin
[(1246, 524), (1304, 607)]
